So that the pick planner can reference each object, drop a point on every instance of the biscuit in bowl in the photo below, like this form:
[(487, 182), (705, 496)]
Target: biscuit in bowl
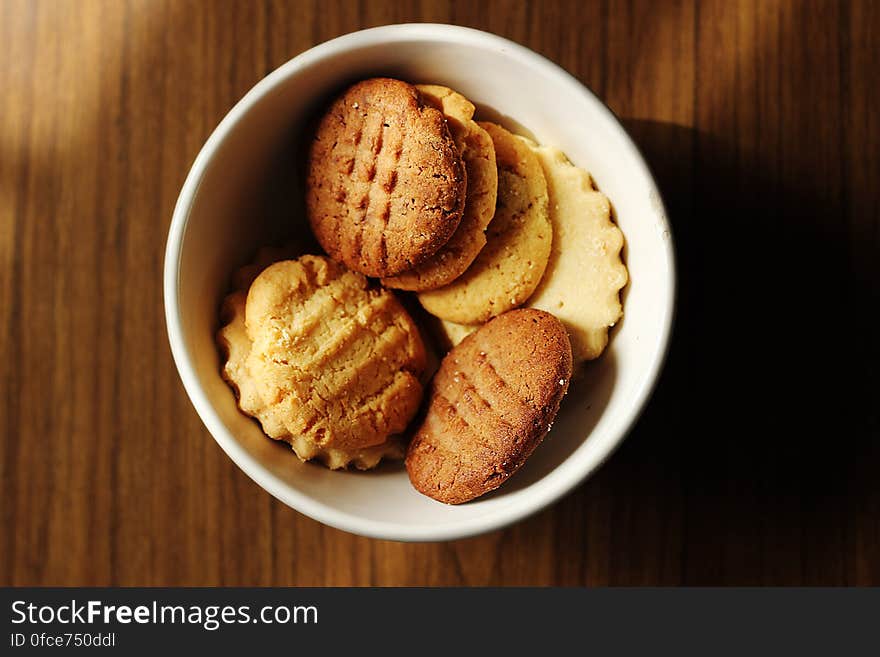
[(585, 273), (386, 186), (510, 265), (490, 404), (324, 361), (478, 155)]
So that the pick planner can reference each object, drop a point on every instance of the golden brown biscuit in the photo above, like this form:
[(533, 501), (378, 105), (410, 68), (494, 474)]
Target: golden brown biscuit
[(324, 361), (386, 186), (510, 266), (478, 155), (236, 346), (491, 403)]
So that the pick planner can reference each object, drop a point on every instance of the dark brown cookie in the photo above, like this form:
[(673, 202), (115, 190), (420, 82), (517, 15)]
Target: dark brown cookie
[(386, 185), (491, 403)]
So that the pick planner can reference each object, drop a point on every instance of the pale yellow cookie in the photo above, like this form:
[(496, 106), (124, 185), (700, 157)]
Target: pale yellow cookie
[(510, 266), (235, 343), (478, 155), (324, 361), (585, 273)]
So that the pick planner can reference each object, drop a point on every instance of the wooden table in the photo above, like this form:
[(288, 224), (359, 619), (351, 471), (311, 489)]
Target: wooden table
[(757, 461)]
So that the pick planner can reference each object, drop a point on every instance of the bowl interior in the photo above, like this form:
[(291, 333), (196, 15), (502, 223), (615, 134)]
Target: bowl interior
[(244, 192)]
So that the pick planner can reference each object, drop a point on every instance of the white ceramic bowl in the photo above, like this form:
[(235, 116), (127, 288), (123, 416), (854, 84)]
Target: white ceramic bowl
[(221, 219)]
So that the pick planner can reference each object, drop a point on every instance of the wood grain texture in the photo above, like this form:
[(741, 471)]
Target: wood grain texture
[(755, 463)]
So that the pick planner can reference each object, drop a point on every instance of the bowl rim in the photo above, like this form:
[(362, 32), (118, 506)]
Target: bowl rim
[(275, 486)]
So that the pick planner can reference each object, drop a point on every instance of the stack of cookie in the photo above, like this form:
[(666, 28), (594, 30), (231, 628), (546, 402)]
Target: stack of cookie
[(404, 186)]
